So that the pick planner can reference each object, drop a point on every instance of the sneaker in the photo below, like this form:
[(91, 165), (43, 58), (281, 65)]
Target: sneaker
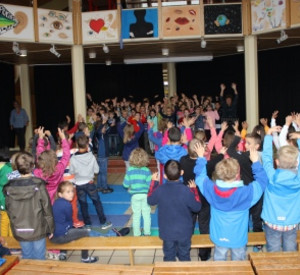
[(62, 257), (107, 190), (257, 248), (100, 189), (106, 225), (88, 227), (15, 251), (90, 260), (78, 224)]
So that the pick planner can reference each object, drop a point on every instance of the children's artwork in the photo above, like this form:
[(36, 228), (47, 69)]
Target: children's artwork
[(100, 26), (16, 23), (181, 21), (267, 15), (139, 23), (295, 12), (223, 19), (55, 26)]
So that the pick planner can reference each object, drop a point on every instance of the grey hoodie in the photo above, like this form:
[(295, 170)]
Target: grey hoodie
[(83, 166)]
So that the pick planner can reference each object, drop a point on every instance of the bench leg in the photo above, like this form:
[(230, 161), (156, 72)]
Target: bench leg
[(131, 256)]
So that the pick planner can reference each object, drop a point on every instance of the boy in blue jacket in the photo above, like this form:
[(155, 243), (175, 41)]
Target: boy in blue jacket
[(230, 201), (175, 202), (282, 196)]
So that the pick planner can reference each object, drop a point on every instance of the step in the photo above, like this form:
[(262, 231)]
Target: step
[(117, 165)]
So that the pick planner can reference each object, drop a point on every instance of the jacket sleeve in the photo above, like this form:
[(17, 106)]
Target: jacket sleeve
[(62, 164), (126, 181), (267, 157), (153, 193), (120, 129), (155, 140), (161, 156), (74, 129), (260, 181), (40, 147), (218, 143), (193, 201), (140, 131), (47, 207), (283, 135), (212, 140), (52, 143)]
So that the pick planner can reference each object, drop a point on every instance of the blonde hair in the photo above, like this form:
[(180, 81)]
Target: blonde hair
[(191, 147), (139, 158), (227, 169), (288, 157), (47, 162), (128, 133)]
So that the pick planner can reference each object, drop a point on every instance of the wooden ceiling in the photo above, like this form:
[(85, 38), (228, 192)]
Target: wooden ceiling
[(40, 54)]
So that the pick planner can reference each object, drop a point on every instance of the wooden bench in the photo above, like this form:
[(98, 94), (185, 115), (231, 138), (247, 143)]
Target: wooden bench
[(32, 267), (131, 243), (10, 262), (230, 267), (276, 263)]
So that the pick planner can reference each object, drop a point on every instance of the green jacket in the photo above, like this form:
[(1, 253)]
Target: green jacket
[(5, 168)]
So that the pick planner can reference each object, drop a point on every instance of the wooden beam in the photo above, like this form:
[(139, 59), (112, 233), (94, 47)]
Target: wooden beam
[(36, 21), (77, 24)]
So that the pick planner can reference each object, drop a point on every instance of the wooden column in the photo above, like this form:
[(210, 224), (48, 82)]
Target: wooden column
[(251, 78), (172, 79), (77, 24)]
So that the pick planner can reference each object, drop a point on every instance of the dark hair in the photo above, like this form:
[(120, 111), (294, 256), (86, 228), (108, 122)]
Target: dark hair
[(174, 134), (172, 170), (82, 126), (256, 137), (25, 163), (82, 141), (228, 138), (63, 124)]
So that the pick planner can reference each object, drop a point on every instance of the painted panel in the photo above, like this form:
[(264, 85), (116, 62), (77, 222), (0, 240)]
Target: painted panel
[(223, 19), (295, 12), (55, 26), (100, 27), (140, 23), (16, 23), (181, 21)]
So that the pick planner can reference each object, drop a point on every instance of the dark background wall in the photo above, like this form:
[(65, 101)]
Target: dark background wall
[(278, 72)]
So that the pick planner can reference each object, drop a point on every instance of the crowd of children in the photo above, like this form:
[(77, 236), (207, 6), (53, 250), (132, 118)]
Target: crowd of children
[(210, 170)]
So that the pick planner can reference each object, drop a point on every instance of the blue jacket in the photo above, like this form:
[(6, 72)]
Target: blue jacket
[(103, 146), (170, 151), (282, 196), (133, 143), (230, 203), (62, 213), (175, 203)]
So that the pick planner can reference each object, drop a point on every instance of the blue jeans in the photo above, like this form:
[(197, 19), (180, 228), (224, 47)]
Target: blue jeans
[(237, 254), (181, 249), (113, 144), (102, 176), (276, 239), (35, 250), (89, 189)]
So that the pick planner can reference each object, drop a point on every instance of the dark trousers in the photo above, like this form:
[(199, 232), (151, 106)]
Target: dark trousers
[(203, 217), (180, 248), (72, 235), (20, 133), (89, 189), (255, 212)]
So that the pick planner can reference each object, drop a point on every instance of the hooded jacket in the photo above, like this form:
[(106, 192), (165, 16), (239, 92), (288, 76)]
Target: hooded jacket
[(170, 151), (29, 208), (83, 166)]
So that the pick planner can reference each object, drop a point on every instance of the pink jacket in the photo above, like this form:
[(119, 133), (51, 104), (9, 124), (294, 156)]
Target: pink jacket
[(211, 143), (54, 180), (214, 115), (187, 131)]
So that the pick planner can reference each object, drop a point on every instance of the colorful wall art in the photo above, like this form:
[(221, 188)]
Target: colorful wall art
[(267, 15), (223, 19), (139, 23), (55, 26), (16, 23), (295, 12), (181, 21), (100, 26)]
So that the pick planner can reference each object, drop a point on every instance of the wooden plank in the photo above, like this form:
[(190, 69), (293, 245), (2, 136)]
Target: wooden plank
[(10, 262)]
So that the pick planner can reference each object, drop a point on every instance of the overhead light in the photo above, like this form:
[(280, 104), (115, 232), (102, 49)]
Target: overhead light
[(108, 62), (168, 59), (23, 53), (165, 52), (92, 55), (105, 48), (54, 51), (240, 48), (203, 43), (283, 37)]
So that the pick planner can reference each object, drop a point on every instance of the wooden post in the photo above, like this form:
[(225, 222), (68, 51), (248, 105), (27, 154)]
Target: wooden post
[(36, 21), (77, 25), (159, 13), (246, 17), (288, 13), (202, 26)]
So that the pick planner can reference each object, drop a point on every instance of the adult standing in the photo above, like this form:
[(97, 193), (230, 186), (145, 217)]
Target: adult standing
[(18, 122), (229, 105)]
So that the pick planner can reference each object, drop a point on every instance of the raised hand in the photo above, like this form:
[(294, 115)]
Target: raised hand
[(275, 114), (254, 155), (245, 125), (192, 184), (41, 132), (274, 129), (224, 126), (155, 176), (61, 133), (199, 149)]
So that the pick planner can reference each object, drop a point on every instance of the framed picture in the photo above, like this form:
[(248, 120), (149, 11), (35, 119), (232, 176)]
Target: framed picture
[(140, 23), (295, 13), (16, 23), (223, 19), (100, 27)]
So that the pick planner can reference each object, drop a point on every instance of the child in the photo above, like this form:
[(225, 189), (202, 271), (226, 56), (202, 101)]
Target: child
[(62, 212), (130, 139), (229, 201), (49, 168), (137, 180), (29, 208), (282, 196), (84, 165), (175, 203)]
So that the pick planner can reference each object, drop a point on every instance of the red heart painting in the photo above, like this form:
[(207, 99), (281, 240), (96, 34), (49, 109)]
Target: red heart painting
[(96, 25)]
